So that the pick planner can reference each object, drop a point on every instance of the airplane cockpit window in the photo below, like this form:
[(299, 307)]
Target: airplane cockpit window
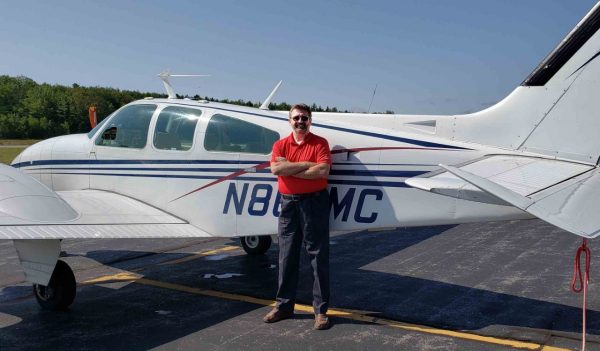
[(175, 128), (128, 128), (230, 134)]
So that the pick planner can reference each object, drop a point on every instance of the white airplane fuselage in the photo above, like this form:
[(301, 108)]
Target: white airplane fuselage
[(223, 194)]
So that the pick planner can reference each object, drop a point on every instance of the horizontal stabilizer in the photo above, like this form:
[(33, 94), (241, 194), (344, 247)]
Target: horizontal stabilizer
[(453, 187), (490, 187), (561, 193)]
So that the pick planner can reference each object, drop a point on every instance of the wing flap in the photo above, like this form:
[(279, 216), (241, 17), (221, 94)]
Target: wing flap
[(95, 231), (30, 210), (103, 207), (88, 207)]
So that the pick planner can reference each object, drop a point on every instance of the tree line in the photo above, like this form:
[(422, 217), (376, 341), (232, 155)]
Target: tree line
[(29, 110)]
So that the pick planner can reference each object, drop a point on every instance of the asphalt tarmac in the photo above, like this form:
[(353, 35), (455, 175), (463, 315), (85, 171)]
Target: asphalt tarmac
[(486, 286)]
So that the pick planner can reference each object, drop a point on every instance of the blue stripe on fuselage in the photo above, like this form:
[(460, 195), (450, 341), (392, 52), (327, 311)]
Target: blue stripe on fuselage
[(333, 172), (128, 162), (253, 179)]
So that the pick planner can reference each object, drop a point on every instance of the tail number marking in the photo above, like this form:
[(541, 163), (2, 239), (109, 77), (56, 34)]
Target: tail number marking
[(340, 204)]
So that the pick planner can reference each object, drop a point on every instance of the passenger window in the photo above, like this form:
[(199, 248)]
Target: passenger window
[(128, 128), (229, 134), (175, 128)]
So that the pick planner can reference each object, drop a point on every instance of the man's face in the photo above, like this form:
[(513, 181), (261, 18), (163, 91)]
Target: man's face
[(300, 121)]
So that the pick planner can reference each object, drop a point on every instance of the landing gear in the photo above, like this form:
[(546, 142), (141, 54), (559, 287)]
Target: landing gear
[(60, 292), (256, 244)]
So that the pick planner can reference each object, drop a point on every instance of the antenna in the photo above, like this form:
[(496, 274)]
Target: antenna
[(265, 104), (372, 97), (165, 75)]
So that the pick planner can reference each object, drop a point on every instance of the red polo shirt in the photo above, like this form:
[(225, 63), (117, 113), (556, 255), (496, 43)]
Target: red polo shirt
[(312, 149)]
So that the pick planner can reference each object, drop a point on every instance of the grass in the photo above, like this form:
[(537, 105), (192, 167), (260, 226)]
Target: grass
[(19, 142), (7, 154), (10, 148)]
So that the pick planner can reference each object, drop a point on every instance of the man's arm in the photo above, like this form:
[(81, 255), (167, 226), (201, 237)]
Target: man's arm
[(317, 171), (321, 168), (282, 167)]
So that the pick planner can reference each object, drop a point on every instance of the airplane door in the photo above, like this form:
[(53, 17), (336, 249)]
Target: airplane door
[(250, 194), (199, 189), (218, 199)]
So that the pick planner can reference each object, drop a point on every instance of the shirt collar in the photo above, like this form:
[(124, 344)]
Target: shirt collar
[(306, 139)]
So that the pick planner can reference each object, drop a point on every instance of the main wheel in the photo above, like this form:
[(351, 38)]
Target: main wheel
[(256, 244), (60, 291)]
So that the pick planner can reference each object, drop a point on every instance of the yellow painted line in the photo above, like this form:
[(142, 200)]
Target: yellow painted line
[(119, 277), (338, 312), (198, 255), (382, 229)]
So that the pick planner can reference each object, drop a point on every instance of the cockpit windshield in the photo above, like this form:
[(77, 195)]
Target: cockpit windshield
[(128, 128)]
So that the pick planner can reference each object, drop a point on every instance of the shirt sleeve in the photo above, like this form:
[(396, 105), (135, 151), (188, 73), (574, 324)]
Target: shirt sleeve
[(277, 152), (323, 152)]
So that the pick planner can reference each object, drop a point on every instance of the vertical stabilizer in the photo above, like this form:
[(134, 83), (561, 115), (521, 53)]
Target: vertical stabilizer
[(555, 111)]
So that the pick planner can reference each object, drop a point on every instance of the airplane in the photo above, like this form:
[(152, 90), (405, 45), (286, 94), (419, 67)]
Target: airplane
[(180, 168)]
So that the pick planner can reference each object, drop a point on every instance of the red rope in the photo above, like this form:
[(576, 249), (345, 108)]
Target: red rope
[(583, 249)]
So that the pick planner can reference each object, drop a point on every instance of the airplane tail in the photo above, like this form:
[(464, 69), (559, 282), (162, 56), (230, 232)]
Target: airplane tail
[(555, 111)]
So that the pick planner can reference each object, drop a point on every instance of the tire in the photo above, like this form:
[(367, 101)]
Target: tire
[(256, 244), (61, 290)]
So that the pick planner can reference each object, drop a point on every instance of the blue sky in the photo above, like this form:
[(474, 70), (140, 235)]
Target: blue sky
[(426, 56)]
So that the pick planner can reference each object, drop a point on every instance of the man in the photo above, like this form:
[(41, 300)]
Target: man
[(302, 162)]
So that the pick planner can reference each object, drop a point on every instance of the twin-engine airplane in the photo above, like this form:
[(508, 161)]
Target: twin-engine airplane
[(177, 168)]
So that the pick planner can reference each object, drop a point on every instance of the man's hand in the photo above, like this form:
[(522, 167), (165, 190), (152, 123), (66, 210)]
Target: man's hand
[(282, 167), (316, 171)]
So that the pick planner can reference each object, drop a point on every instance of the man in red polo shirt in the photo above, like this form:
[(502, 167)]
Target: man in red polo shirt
[(302, 162)]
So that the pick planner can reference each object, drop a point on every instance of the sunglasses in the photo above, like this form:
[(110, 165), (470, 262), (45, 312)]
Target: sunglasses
[(304, 118)]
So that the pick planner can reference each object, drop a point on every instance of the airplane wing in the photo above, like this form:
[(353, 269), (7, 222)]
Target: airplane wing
[(565, 194), (29, 210)]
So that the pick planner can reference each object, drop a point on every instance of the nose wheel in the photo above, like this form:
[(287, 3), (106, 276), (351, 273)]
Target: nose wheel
[(256, 244), (60, 291)]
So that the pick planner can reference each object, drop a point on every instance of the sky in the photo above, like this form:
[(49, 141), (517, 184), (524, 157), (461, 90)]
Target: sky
[(424, 56)]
